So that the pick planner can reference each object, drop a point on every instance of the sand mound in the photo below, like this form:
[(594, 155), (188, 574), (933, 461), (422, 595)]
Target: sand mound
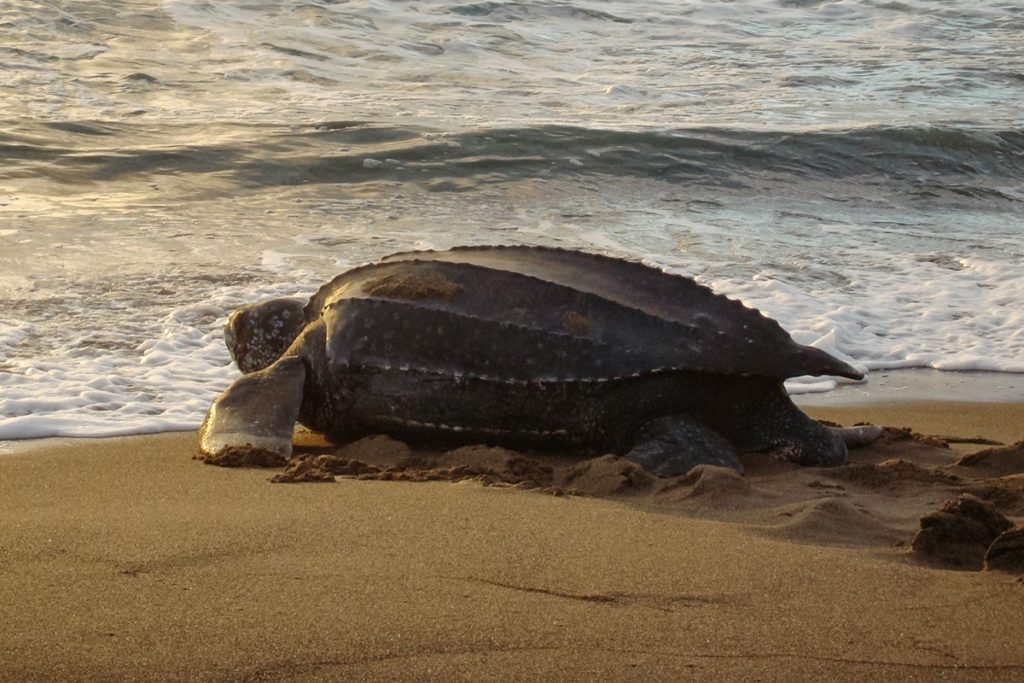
[(996, 462), (710, 482), (1005, 493), (1007, 552), (607, 475), (379, 450), (895, 472), (706, 485), (958, 535), (833, 521)]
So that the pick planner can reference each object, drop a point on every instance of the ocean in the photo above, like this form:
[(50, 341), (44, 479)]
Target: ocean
[(854, 169)]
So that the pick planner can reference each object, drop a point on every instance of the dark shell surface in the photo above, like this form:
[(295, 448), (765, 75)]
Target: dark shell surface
[(542, 314)]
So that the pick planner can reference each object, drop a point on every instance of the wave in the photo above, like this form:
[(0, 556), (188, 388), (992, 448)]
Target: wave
[(921, 162)]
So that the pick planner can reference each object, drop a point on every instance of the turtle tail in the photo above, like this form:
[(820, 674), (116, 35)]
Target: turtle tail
[(817, 362)]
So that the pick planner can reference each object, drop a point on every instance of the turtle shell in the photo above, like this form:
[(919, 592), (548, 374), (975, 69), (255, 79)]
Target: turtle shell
[(536, 313)]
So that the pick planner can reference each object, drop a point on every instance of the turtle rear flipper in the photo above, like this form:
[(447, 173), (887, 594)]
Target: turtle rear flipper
[(252, 423), (673, 445), (859, 435)]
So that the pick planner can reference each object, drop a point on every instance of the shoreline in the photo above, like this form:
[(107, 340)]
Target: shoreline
[(919, 385), (1002, 422), (124, 558)]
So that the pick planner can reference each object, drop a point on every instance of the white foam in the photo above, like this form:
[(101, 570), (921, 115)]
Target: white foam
[(12, 333), (163, 386), (902, 313), (165, 383)]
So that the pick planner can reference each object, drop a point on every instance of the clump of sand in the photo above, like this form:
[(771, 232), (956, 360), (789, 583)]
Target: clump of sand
[(383, 458), (304, 470), (960, 533), (243, 456), (996, 462), (1007, 552), (833, 520)]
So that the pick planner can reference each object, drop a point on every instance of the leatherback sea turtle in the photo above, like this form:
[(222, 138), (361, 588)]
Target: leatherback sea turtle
[(519, 345)]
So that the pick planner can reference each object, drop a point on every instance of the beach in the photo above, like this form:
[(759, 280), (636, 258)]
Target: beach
[(127, 559), (851, 170)]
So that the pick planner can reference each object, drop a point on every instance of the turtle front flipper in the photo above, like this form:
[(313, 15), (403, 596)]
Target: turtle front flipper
[(252, 423), (673, 445)]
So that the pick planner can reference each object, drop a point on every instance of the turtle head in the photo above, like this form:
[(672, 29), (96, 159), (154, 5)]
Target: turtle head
[(258, 334)]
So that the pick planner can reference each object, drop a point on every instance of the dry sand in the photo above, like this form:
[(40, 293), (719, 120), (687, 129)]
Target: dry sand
[(125, 559)]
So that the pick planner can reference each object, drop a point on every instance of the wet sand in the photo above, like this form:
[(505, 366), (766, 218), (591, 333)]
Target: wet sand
[(127, 559)]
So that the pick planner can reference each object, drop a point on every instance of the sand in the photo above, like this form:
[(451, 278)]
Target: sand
[(125, 559)]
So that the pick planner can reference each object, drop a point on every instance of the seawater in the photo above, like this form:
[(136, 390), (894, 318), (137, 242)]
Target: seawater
[(854, 169)]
